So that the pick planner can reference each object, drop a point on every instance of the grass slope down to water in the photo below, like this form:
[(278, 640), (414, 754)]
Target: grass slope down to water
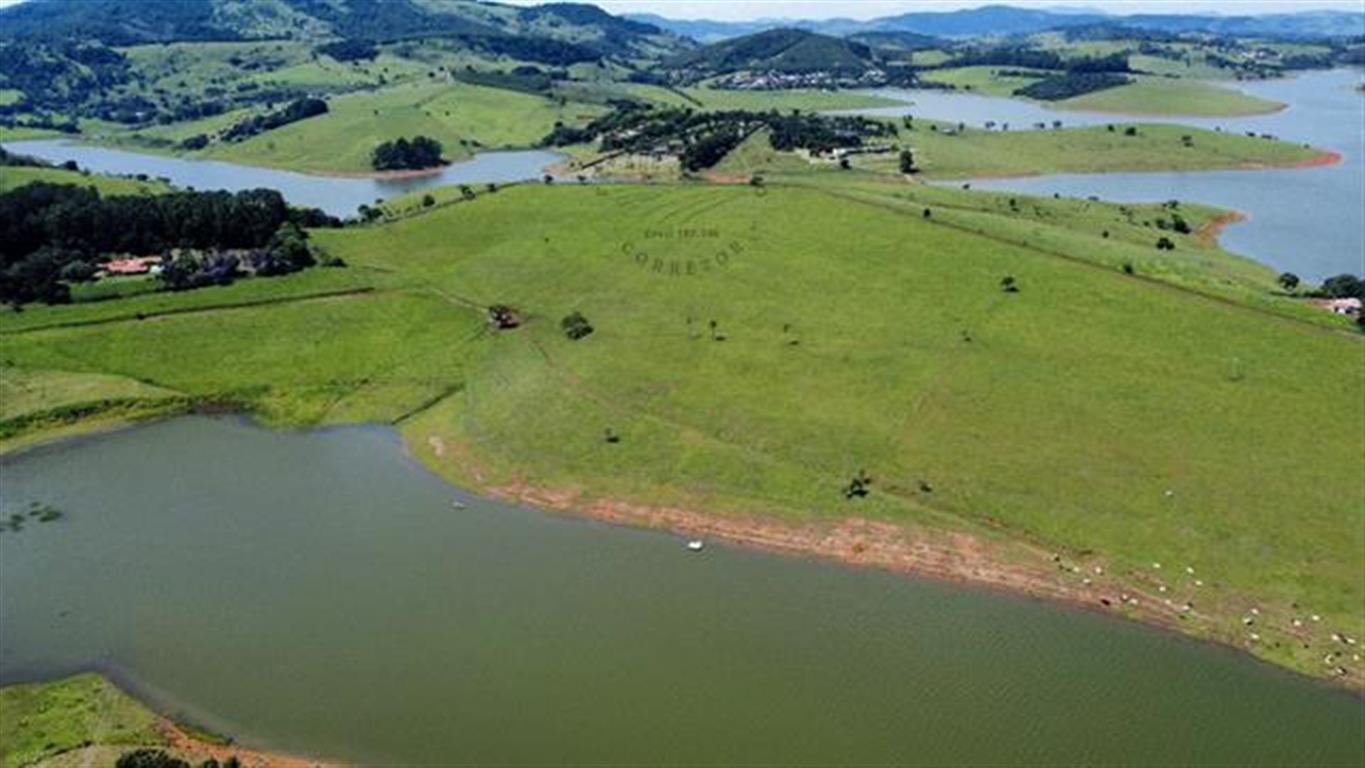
[(947, 151), (1155, 147), (1144, 96), (13, 177), (464, 118), (41, 720), (755, 349), (1169, 96)]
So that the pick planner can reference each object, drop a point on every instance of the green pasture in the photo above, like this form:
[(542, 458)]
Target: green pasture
[(976, 151), (1171, 96), (463, 117), (12, 177), (41, 720), (1131, 417)]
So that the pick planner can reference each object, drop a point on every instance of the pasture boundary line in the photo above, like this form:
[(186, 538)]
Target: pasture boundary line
[(192, 310), (428, 404), (1152, 281)]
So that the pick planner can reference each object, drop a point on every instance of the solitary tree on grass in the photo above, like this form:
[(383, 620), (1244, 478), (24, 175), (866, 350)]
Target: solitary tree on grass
[(907, 160)]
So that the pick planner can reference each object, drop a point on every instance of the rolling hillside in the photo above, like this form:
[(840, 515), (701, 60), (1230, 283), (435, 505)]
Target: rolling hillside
[(1112, 418), (132, 22), (777, 50)]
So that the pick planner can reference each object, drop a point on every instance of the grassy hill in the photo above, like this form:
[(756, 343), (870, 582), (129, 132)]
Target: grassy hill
[(1144, 96), (462, 117), (778, 50), (951, 152), (1164, 96), (1115, 419), (12, 177), (133, 22)]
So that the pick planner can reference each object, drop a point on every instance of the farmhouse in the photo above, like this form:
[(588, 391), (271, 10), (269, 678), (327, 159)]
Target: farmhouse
[(1350, 306), (135, 266)]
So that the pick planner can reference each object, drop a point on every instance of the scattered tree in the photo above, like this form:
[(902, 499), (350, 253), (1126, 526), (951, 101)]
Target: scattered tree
[(1288, 281), (575, 326), (907, 161), (859, 486), (1343, 287)]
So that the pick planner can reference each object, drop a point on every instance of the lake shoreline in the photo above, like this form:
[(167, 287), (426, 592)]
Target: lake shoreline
[(1016, 567), (1324, 158), (1012, 565)]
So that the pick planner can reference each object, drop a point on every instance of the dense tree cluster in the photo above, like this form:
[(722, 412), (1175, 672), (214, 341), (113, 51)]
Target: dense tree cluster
[(1070, 85), (54, 233), (821, 133), (523, 79), (403, 154), (1033, 58), (709, 149), (542, 50), (701, 139), (299, 109), (349, 50), (1344, 287), (63, 81), (54, 77), (159, 758)]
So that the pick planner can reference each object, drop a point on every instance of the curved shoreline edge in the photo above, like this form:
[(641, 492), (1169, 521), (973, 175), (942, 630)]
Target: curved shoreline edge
[(1011, 566), (1008, 563), (1323, 158)]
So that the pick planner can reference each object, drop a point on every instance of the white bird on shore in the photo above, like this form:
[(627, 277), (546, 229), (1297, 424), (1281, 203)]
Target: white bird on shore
[(696, 545)]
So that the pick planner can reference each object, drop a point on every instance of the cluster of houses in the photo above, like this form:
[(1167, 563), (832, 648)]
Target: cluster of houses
[(778, 81)]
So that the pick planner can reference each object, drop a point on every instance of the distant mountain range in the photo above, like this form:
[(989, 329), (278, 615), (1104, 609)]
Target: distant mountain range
[(1008, 20)]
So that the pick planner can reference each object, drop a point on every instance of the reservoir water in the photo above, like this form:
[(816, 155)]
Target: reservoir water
[(337, 195), (318, 592), (1303, 220)]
